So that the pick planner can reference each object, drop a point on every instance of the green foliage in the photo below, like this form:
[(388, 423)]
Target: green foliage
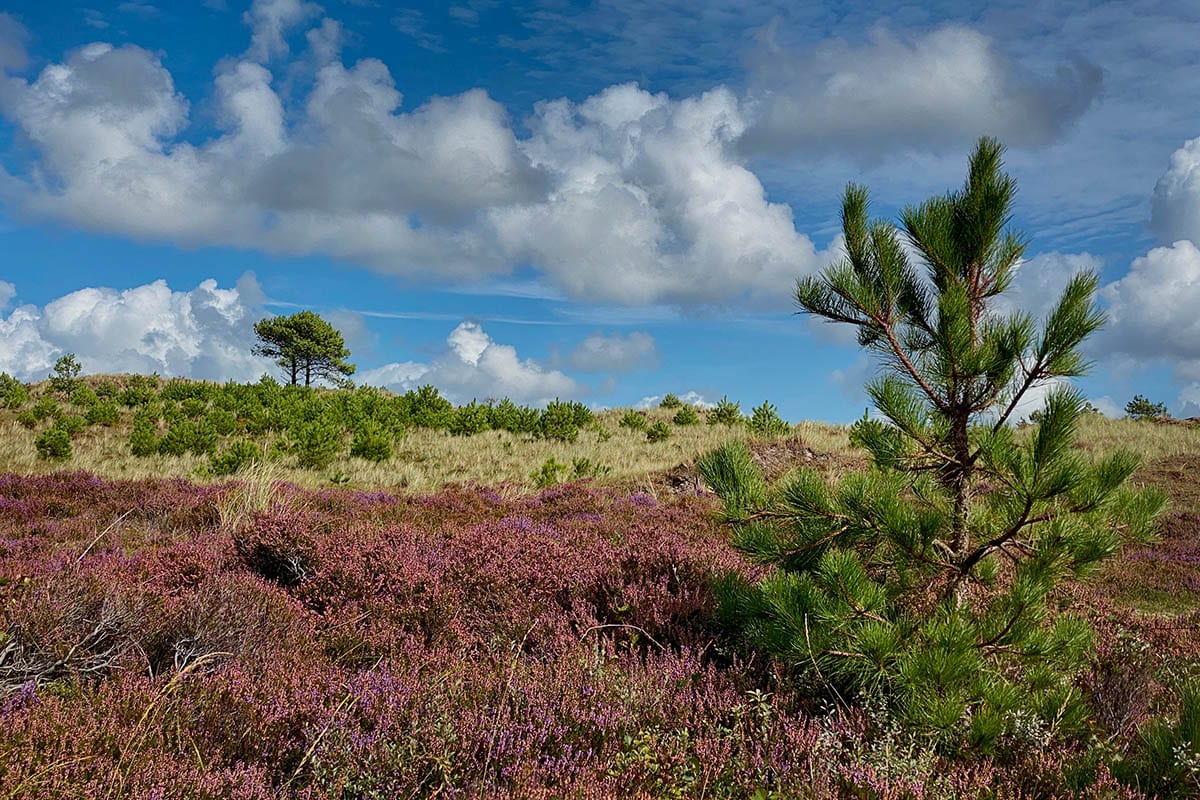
[(887, 583), (1140, 408), (426, 408), (179, 390), (686, 415), (103, 413), (53, 444), (765, 421), (46, 406), (139, 390), (84, 396), (185, 435), (316, 444), (470, 419), (634, 420), (13, 393), (508, 416), (658, 432), (27, 419), (107, 390), (305, 346), (670, 401), (143, 438), (73, 424), (549, 473), (1165, 759), (65, 377), (584, 467), (240, 453), (223, 421), (725, 412), (371, 443), (562, 420)]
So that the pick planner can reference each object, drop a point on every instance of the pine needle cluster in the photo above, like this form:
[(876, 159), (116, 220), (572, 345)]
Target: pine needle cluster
[(928, 580)]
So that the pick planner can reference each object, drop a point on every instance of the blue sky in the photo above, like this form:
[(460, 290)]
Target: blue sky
[(603, 200)]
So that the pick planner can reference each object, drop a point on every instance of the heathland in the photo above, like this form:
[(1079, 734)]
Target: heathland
[(347, 594)]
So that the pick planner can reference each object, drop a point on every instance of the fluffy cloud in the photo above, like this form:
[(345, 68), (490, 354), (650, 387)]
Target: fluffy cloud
[(474, 367), (691, 398), (1152, 310), (647, 204), (615, 353), (1176, 207), (203, 333), (270, 21), (627, 197), (938, 89)]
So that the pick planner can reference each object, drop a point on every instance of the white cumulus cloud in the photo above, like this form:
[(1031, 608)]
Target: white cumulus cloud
[(1152, 311), (614, 353), (204, 333), (626, 197), (941, 88), (476, 367), (1176, 206)]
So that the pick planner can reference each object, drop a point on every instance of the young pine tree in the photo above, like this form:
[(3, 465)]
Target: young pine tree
[(925, 581)]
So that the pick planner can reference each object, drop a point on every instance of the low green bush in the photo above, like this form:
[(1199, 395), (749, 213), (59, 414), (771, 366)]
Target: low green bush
[(103, 413), (634, 420), (13, 393), (766, 421), (725, 412), (53, 444), (370, 442), (658, 432), (670, 401), (686, 415), (549, 473), (239, 454)]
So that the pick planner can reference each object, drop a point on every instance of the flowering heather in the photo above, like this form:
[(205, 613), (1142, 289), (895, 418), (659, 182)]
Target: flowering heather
[(351, 645)]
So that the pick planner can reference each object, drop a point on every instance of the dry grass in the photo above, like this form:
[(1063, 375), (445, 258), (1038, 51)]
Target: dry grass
[(424, 460)]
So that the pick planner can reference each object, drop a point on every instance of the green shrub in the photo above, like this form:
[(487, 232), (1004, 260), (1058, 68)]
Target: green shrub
[(551, 472), (670, 401), (658, 432), (107, 390), (584, 467), (766, 421), (1140, 408), (426, 408), (508, 416), (13, 393), (316, 444), (65, 377), (687, 416), (562, 420), (193, 407), (84, 396), (470, 419), (634, 420), (181, 389), (73, 424), (46, 406), (27, 419), (185, 435), (143, 439), (103, 413), (53, 444), (240, 453), (725, 412), (372, 443), (223, 421), (1164, 761), (139, 391)]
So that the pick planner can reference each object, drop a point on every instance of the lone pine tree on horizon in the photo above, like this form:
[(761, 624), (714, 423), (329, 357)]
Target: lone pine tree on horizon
[(925, 580), (304, 345)]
